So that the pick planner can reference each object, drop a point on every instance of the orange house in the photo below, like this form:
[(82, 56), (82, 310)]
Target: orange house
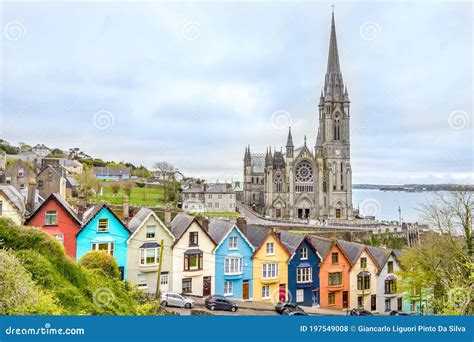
[(334, 277)]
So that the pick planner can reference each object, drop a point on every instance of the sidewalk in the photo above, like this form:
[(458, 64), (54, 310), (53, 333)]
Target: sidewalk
[(265, 306)]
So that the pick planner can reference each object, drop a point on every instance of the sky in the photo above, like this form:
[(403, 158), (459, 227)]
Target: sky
[(194, 83)]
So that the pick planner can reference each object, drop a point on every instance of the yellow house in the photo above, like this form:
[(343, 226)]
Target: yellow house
[(12, 205), (270, 268), (363, 280)]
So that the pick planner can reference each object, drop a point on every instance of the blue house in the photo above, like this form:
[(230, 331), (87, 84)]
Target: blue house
[(103, 230), (303, 269), (233, 258)]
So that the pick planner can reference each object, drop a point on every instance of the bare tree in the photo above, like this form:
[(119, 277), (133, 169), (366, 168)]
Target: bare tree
[(88, 184), (165, 172)]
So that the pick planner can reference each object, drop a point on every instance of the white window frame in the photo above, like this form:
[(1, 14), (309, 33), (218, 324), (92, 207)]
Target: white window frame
[(233, 243), (304, 275), (299, 295), (110, 247), (51, 213), (141, 284), (270, 248), (228, 288), (164, 279), (265, 292), (304, 253), (60, 238), (154, 232), (106, 230), (144, 255), (269, 271), (232, 265)]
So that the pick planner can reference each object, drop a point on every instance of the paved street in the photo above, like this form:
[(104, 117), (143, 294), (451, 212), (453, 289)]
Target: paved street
[(240, 312)]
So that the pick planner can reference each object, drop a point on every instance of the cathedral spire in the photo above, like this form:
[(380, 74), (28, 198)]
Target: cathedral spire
[(333, 55), (289, 141), (333, 85)]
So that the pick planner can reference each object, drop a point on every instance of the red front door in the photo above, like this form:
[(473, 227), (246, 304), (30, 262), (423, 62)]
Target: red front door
[(282, 293)]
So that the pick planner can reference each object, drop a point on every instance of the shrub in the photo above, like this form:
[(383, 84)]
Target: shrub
[(101, 260)]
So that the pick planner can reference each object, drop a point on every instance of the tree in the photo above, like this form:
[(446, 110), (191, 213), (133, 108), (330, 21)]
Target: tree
[(88, 184), (166, 175), (127, 187), (101, 260), (115, 187)]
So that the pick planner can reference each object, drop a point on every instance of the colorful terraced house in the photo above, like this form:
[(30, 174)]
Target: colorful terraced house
[(233, 258), (270, 268), (103, 230)]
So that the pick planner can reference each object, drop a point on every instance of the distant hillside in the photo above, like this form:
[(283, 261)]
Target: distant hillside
[(36, 277)]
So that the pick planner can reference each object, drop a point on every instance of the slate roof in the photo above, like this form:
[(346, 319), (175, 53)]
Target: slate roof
[(138, 219), (65, 204), (256, 235), (322, 245), (291, 240), (380, 254), (150, 245), (14, 196), (111, 171), (180, 223), (194, 189), (220, 188), (351, 249), (218, 229), (93, 211)]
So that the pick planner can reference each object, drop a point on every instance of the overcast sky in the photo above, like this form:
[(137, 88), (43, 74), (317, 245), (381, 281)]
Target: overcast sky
[(194, 83)]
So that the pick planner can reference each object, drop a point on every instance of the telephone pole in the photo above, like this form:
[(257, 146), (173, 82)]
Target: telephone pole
[(158, 277)]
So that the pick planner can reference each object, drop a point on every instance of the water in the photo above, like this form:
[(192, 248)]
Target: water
[(384, 204)]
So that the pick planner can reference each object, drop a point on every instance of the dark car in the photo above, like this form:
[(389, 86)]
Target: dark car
[(294, 312), (359, 312), (282, 306), (220, 303), (399, 313)]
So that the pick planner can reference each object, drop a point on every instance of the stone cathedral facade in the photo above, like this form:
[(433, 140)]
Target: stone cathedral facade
[(306, 182)]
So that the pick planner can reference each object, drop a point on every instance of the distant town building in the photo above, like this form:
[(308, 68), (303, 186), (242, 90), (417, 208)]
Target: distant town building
[(218, 197), (41, 150), (112, 173), (18, 174), (71, 166), (52, 180)]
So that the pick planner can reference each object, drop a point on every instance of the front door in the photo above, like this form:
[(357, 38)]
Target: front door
[(338, 213), (282, 293), (300, 213), (206, 286), (315, 297), (306, 213), (345, 299), (245, 290), (373, 302), (400, 304)]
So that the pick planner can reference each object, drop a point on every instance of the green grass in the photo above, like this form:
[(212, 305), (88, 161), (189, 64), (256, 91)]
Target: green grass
[(230, 214), (139, 196)]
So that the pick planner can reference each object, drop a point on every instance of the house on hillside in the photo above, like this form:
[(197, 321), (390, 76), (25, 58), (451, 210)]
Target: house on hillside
[(19, 174), (303, 269), (112, 173), (193, 258), (41, 150), (218, 197), (234, 264), (12, 205), (143, 246), (71, 166), (52, 180), (56, 217), (103, 230)]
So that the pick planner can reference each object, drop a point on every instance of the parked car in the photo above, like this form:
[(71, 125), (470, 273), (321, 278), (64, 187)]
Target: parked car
[(220, 303), (399, 313), (359, 312), (282, 306), (294, 312), (175, 299)]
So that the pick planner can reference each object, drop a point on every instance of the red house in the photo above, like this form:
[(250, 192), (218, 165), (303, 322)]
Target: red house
[(56, 217)]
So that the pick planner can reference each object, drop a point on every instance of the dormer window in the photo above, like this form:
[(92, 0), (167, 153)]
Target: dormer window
[(363, 262), (103, 225), (193, 238), (233, 242), (270, 248), (51, 218), (150, 232), (21, 172), (390, 266), (335, 258), (304, 253)]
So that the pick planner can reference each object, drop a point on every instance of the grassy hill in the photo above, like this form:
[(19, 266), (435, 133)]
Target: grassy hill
[(36, 277)]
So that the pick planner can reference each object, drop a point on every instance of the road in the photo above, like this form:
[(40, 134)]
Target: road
[(240, 312)]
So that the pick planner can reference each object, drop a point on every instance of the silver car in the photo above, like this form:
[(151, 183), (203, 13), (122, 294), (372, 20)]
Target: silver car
[(174, 299)]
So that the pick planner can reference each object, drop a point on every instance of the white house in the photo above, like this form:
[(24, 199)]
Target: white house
[(388, 296), (193, 261)]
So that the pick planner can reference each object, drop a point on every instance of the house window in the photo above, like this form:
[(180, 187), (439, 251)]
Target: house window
[(363, 262), (331, 298), (219, 196), (304, 253), (299, 295), (227, 288), (22, 186), (390, 266), (103, 246), (360, 304), (149, 256), (390, 286), (233, 242), (335, 258), (304, 275), (60, 238), (216, 205), (265, 291), (232, 266), (412, 306), (363, 281), (187, 285), (270, 248), (142, 281), (335, 278), (193, 238), (51, 218), (50, 176), (21, 172), (269, 271), (150, 232), (103, 225), (193, 262), (388, 304), (40, 184), (164, 279)]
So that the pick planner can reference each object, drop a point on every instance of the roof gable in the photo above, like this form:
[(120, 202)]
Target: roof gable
[(14, 197), (62, 203), (226, 233), (94, 211), (142, 217), (271, 235), (181, 224)]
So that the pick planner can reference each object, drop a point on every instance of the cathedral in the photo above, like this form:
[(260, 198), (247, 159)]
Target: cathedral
[(306, 182)]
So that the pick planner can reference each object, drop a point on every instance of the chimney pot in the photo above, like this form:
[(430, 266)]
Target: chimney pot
[(205, 224), (242, 225), (167, 217)]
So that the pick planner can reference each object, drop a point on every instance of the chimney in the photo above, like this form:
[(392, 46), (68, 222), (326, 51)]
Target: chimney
[(205, 224), (205, 187), (81, 206), (277, 233), (30, 201), (126, 208), (167, 217), (242, 225)]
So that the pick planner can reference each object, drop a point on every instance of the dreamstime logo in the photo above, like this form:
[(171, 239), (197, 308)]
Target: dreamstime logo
[(280, 119), (459, 119), (103, 296), (191, 30), (103, 119), (370, 30), (370, 207), (14, 30)]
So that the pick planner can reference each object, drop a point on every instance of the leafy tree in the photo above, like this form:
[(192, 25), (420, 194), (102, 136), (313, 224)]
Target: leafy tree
[(88, 184), (166, 174), (7, 148), (115, 187), (101, 260)]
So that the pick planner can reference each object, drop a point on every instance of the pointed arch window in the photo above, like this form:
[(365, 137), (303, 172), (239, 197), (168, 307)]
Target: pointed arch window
[(278, 182), (334, 176), (341, 172), (337, 128)]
